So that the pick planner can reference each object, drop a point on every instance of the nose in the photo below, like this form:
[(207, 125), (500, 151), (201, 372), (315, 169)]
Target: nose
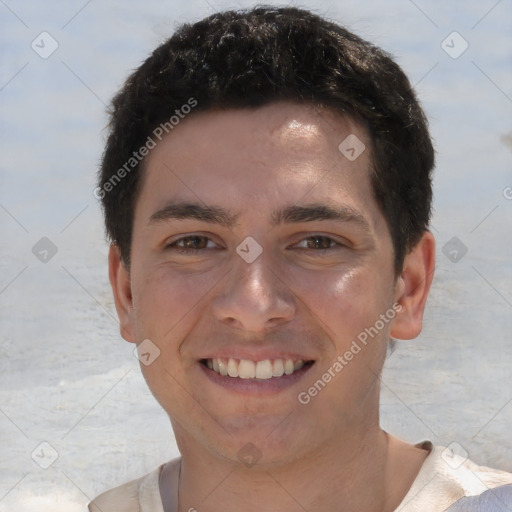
[(254, 297)]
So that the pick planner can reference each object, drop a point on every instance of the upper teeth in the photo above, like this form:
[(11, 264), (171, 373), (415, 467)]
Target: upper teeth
[(246, 369)]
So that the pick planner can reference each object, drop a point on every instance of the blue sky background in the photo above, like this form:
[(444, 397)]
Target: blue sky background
[(68, 379)]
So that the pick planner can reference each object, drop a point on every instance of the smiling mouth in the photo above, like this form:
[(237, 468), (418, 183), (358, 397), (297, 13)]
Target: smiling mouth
[(247, 369)]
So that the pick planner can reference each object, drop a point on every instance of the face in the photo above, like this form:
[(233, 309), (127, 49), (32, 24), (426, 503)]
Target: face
[(259, 251)]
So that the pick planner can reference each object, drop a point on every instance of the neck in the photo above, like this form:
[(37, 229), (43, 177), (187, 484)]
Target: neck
[(370, 471)]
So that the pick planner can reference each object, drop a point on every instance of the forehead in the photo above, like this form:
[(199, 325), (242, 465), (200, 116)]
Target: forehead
[(259, 158)]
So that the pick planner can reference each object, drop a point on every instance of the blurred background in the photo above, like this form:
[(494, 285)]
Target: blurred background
[(76, 416)]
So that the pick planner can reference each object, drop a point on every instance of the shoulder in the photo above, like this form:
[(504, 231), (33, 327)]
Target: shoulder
[(123, 498), (139, 495), (445, 478)]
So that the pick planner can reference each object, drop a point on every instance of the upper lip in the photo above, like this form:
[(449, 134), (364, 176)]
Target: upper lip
[(260, 355)]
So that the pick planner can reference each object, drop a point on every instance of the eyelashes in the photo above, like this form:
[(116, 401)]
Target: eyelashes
[(194, 244), (324, 242), (190, 243)]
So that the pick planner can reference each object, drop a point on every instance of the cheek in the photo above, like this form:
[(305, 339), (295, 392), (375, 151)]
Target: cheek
[(167, 305), (344, 302), (165, 301)]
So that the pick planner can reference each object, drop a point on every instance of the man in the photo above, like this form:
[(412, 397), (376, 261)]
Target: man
[(267, 192)]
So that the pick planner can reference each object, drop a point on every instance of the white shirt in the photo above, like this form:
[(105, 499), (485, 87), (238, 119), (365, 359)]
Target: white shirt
[(444, 483)]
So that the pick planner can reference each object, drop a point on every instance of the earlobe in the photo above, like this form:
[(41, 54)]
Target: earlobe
[(119, 277), (412, 288)]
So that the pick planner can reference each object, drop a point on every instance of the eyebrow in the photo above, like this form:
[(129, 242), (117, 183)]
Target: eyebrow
[(286, 215), (316, 212), (210, 214)]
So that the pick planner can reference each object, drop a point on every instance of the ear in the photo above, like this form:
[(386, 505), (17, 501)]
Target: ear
[(412, 288), (121, 287)]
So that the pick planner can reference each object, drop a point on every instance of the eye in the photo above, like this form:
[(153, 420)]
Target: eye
[(191, 243), (319, 242)]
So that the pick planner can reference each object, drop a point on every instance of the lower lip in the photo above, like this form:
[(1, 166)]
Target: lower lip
[(258, 387)]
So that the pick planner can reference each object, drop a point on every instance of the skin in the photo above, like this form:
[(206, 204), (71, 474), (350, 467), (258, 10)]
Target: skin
[(330, 454)]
